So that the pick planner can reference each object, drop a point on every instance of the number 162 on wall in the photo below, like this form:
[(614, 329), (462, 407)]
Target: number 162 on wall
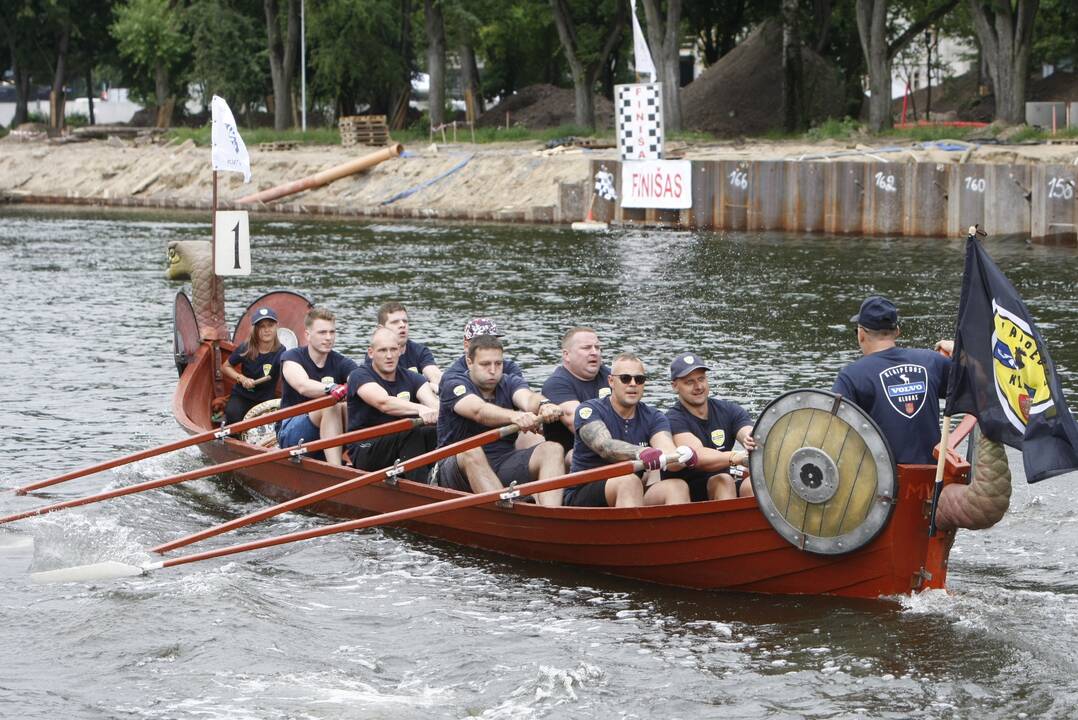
[(232, 254)]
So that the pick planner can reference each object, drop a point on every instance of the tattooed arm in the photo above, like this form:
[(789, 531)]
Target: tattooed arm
[(598, 439)]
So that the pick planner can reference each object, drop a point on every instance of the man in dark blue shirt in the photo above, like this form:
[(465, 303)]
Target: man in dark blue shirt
[(709, 426), (475, 328), (899, 387), (581, 376), (414, 356), (382, 392), (621, 427), (311, 371), (487, 398)]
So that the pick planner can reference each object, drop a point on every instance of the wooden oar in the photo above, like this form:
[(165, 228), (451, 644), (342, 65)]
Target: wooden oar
[(296, 451), (113, 569), (241, 426), (342, 487)]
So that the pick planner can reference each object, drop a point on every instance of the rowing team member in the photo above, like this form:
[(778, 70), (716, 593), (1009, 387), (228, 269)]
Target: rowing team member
[(478, 393), (259, 360)]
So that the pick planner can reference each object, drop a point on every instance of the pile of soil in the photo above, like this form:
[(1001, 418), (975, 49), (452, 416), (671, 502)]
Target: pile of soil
[(544, 106), (741, 94)]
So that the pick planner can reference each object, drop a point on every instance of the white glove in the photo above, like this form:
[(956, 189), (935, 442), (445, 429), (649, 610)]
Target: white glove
[(686, 456)]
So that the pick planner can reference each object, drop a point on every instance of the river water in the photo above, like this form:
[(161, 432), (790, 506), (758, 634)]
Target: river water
[(384, 624)]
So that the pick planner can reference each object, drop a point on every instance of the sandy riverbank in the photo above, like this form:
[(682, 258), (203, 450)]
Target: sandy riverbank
[(509, 181)]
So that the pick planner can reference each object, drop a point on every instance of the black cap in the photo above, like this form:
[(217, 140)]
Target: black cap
[(685, 364), (261, 314), (877, 313)]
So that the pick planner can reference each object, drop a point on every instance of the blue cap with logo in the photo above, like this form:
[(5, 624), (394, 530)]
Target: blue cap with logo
[(263, 314), (877, 313), (685, 364), (481, 326)]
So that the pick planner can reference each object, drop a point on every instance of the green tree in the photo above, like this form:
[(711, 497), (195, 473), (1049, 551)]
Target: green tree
[(228, 55), (1005, 33), (151, 36), (355, 54), (589, 33), (282, 38), (664, 38)]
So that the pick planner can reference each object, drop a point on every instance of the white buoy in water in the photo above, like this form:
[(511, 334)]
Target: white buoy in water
[(590, 226)]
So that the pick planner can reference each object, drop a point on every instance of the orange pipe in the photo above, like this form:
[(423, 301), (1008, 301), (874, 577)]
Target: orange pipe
[(325, 177)]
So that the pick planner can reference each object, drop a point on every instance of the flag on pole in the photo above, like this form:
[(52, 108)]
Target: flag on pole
[(228, 153), (1002, 372), (642, 55)]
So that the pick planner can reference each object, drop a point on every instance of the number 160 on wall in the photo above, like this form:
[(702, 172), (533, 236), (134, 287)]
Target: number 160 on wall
[(232, 255)]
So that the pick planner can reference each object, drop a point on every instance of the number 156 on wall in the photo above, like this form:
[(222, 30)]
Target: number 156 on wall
[(232, 254)]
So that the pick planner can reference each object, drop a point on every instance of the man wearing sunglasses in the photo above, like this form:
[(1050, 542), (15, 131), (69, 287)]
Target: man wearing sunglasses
[(709, 426), (621, 427), (581, 376), (486, 398)]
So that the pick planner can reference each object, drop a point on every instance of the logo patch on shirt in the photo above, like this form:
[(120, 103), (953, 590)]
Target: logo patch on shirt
[(718, 437), (459, 390), (413, 369), (1021, 380), (906, 387), (405, 395), (327, 380), (266, 369), (585, 413), (603, 392)]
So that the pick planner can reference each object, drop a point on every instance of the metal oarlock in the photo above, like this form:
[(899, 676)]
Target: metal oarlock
[(393, 474), (505, 499), (296, 454)]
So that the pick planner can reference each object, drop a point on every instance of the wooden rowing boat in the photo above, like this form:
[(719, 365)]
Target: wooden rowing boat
[(717, 545)]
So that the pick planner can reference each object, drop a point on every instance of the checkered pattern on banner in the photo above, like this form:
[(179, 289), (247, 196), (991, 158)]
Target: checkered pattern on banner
[(639, 109)]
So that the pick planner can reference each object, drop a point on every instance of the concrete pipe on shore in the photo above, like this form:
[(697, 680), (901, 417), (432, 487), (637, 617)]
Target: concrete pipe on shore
[(324, 177)]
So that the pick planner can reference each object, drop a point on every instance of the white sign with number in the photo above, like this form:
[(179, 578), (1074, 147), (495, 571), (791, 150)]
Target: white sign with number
[(656, 184), (232, 255)]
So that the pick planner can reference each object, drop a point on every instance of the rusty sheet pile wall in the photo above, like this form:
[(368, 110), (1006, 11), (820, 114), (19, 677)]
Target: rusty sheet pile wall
[(875, 198)]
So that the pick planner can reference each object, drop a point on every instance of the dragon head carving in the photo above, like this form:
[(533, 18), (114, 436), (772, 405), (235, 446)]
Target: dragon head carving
[(193, 260)]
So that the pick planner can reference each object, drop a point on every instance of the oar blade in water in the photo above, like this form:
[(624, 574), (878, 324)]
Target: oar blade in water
[(109, 570)]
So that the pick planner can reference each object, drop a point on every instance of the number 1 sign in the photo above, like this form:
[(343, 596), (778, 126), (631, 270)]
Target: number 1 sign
[(232, 254)]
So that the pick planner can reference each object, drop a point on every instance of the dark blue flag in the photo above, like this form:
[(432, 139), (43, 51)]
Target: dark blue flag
[(1003, 374)]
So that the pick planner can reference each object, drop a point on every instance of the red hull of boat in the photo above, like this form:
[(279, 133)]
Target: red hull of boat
[(719, 545)]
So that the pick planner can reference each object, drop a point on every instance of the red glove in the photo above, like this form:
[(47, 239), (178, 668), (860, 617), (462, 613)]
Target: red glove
[(652, 458), (337, 391)]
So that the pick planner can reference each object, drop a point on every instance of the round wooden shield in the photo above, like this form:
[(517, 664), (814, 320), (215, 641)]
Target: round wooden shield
[(824, 476), (185, 333)]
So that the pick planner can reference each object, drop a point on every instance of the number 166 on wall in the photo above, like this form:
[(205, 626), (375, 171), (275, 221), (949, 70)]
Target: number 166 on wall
[(232, 254)]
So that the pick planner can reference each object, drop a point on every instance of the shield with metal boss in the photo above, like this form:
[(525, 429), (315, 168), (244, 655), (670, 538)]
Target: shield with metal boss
[(824, 475)]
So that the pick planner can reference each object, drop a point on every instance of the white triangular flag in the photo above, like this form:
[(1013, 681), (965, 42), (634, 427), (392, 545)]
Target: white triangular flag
[(642, 61), (229, 153)]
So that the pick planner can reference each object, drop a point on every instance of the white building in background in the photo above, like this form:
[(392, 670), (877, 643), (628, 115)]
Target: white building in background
[(110, 107)]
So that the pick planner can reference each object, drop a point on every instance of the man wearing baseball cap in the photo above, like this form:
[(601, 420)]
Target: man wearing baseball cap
[(899, 387), (473, 328), (709, 426)]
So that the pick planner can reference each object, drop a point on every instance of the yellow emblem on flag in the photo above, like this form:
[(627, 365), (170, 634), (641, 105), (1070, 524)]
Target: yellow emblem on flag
[(266, 369), (1018, 366), (603, 392), (405, 395), (585, 413), (459, 390), (718, 437)]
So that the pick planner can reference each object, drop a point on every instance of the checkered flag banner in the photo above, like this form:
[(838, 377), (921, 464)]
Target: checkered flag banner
[(604, 184), (639, 116)]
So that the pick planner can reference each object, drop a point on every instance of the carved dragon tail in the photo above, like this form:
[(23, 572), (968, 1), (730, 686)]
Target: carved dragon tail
[(983, 502)]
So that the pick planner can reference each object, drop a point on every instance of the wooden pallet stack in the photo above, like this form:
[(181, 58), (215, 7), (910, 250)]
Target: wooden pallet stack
[(364, 130)]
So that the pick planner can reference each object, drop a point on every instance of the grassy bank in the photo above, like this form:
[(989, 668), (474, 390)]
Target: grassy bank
[(847, 130)]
